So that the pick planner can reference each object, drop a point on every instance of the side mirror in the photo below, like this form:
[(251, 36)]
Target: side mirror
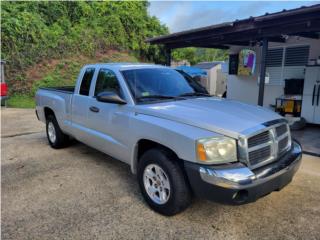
[(110, 97)]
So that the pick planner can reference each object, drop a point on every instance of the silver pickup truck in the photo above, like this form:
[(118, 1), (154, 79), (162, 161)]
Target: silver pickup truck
[(178, 140)]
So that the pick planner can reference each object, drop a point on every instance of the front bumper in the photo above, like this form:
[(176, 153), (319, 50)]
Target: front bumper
[(237, 184)]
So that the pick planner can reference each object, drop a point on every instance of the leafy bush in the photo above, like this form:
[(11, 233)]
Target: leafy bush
[(34, 31), (196, 55), (75, 33)]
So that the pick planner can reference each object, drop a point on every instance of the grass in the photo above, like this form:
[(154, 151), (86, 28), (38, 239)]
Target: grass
[(21, 101)]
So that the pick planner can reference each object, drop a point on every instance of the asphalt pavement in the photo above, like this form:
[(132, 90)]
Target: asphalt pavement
[(79, 193)]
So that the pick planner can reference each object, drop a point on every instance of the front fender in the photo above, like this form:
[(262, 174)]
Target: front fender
[(178, 137)]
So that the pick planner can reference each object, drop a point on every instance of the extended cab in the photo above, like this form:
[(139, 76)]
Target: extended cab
[(178, 140)]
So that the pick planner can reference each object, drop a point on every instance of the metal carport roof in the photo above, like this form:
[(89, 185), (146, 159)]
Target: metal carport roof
[(303, 21), (275, 27)]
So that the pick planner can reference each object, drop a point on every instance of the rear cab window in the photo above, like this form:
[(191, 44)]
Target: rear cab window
[(86, 81)]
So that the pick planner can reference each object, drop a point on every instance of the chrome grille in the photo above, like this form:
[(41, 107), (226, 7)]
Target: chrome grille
[(259, 139), (266, 145), (282, 129), (283, 144), (259, 155)]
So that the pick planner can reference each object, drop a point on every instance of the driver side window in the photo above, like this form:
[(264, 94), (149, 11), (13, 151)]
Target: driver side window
[(107, 82)]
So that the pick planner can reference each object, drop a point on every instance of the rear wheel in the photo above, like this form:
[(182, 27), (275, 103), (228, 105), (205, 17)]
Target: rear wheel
[(56, 138), (162, 182)]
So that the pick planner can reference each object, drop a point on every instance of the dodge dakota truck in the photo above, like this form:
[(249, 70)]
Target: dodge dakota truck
[(180, 142)]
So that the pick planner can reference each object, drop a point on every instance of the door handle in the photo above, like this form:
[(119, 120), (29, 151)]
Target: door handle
[(314, 91), (94, 109), (318, 95)]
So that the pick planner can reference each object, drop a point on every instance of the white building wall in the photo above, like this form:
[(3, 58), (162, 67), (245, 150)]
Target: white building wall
[(216, 80), (246, 89), (213, 79)]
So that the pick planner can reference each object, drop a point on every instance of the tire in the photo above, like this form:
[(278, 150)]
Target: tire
[(60, 139), (298, 125), (179, 194)]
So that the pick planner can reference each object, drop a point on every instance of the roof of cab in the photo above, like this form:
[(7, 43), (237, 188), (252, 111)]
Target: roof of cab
[(124, 65)]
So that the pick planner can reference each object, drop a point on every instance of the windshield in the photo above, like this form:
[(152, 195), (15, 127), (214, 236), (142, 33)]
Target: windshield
[(156, 83), (193, 82)]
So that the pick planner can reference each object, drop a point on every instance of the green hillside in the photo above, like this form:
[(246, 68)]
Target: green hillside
[(45, 43), (57, 72)]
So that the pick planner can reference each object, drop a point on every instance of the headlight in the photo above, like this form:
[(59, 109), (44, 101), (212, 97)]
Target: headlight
[(217, 150)]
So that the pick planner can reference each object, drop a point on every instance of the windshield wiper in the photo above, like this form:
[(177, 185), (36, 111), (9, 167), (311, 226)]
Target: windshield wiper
[(155, 97), (194, 94), (179, 97)]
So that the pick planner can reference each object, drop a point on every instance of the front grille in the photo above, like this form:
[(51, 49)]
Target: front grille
[(265, 147), (283, 143), (258, 139), (259, 155), (282, 129)]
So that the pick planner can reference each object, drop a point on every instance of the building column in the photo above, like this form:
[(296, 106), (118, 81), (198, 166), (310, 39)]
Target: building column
[(168, 57), (262, 70)]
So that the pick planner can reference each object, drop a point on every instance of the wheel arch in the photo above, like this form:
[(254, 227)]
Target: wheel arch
[(48, 111), (144, 145)]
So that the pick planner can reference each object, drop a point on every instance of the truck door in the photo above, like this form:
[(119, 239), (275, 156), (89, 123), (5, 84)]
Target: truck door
[(107, 120), (79, 105)]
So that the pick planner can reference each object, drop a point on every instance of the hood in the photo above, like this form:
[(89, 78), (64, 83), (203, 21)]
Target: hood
[(222, 116)]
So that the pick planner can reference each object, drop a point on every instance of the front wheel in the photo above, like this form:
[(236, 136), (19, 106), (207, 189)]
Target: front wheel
[(56, 138), (162, 182)]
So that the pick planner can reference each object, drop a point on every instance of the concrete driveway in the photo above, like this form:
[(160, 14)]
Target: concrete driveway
[(79, 193)]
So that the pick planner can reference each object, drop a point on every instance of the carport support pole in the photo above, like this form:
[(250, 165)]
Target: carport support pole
[(168, 57), (262, 70)]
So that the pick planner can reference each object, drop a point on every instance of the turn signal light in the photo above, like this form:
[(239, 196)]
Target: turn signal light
[(201, 152)]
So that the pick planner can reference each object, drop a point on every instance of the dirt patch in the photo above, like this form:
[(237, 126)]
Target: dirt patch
[(46, 68)]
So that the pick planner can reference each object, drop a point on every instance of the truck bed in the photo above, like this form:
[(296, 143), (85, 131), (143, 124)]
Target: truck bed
[(59, 99), (66, 89)]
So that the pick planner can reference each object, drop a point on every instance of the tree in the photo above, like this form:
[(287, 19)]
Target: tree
[(196, 55), (34, 31)]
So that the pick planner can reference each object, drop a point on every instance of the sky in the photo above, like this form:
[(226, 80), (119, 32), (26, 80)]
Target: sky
[(185, 15)]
